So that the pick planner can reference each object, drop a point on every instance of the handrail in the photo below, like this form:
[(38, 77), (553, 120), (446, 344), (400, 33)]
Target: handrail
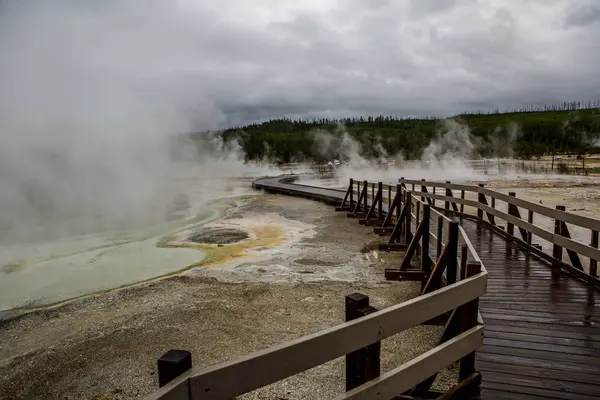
[(234, 378), (568, 243), (464, 241), (579, 220), (559, 238), (401, 379)]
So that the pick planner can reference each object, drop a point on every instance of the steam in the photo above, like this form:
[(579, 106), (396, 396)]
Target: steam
[(92, 108), (454, 153)]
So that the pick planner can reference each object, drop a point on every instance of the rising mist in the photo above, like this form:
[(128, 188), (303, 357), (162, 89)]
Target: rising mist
[(92, 98)]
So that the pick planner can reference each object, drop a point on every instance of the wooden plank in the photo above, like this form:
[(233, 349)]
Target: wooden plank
[(574, 257), (462, 389), (400, 221), (455, 186), (541, 338), (573, 308), (177, 389), (538, 325), (541, 320), (392, 246), (392, 274), (533, 370), (547, 347), (491, 394), (517, 360), (463, 240), (404, 377), (594, 263), (436, 274), (591, 362), (546, 387), (412, 248), (251, 372), (342, 206)]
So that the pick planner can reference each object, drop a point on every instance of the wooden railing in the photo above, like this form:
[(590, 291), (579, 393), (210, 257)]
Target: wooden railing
[(485, 204), (452, 283)]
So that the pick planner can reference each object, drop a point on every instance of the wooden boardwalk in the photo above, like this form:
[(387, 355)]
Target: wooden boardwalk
[(521, 324), (542, 332)]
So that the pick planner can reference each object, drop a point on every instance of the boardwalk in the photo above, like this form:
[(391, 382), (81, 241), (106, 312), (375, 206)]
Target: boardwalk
[(542, 333)]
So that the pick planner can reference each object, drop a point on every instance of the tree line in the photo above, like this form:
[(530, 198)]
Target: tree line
[(571, 127)]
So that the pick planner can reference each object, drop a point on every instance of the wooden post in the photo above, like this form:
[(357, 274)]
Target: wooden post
[(462, 319), (363, 364), (358, 186), (467, 364), (418, 214), (464, 253), (510, 228), (433, 200), (447, 203), (366, 185), (557, 251), (372, 192), (389, 198), (408, 221), (440, 232), (462, 206), (452, 252), (425, 265), (530, 220), (352, 194), (594, 263), (481, 199), (172, 364), (423, 189), (380, 200), (399, 199)]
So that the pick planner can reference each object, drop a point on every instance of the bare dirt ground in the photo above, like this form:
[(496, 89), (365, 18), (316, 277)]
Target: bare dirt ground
[(106, 346)]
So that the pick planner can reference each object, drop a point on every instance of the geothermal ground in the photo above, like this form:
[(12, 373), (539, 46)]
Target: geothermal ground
[(288, 279), (273, 268)]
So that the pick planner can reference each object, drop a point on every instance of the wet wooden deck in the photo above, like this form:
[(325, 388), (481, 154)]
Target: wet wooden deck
[(542, 332)]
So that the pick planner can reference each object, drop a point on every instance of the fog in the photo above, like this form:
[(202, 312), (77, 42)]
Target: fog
[(91, 99)]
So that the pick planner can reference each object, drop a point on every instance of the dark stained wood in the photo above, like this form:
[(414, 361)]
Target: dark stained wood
[(542, 331), (463, 388), (542, 325), (594, 263)]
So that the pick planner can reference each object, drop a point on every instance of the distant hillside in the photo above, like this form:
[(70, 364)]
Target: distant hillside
[(566, 128)]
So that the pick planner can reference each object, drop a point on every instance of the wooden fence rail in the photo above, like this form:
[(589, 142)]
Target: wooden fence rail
[(487, 210), (452, 283), (231, 379)]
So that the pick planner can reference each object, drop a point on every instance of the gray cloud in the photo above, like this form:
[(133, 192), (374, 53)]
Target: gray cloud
[(217, 64), (583, 15)]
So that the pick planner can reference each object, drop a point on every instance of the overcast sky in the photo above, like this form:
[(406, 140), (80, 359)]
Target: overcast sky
[(228, 62)]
